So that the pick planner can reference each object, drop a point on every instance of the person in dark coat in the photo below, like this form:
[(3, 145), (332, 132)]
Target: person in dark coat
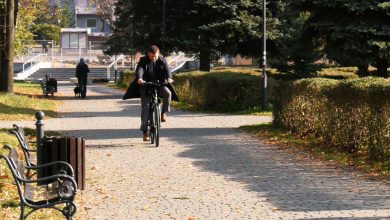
[(152, 67), (82, 71)]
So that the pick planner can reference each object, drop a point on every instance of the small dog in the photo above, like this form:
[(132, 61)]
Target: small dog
[(77, 91)]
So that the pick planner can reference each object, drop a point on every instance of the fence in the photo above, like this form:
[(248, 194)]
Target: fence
[(54, 53)]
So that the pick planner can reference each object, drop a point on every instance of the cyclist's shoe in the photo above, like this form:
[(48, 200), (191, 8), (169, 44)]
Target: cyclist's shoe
[(164, 117), (146, 137)]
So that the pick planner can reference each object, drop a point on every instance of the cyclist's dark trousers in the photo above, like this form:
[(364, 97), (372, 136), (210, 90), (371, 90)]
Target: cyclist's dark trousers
[(145, 101)]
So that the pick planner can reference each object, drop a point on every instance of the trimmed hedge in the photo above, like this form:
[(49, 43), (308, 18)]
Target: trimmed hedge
[(222, 91), (126, 76), (352, 115)]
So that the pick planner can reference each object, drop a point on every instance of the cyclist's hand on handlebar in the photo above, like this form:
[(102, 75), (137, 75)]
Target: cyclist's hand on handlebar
[(140, 81), (170, 80)]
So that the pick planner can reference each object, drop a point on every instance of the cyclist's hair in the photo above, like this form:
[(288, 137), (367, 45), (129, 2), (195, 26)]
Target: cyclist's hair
[(153, 49)]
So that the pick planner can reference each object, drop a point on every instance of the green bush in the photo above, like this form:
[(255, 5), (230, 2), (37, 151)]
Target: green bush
[(222, 90), (126, 76), (225, 90), (338, 73), (352, 115)]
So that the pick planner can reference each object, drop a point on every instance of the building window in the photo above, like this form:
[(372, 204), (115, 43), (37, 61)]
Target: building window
[(74, 40), (65, 40), (102, 25), (91, 23)]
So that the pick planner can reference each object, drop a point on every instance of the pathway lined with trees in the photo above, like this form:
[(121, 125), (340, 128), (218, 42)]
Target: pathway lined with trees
[(204, 169)]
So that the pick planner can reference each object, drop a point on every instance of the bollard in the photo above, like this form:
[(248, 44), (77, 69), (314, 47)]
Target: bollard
[(39, 127)]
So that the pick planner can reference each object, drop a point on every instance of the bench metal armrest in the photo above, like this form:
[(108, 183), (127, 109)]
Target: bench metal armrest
[(61, 163), (54, 177)]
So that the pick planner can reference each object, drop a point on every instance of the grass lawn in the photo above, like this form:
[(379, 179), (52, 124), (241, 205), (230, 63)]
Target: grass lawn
[(312, 147), (25, 102)]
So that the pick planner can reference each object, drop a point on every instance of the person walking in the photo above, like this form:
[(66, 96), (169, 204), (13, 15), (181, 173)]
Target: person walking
[(150, 68), (82, 71), (44, 46)]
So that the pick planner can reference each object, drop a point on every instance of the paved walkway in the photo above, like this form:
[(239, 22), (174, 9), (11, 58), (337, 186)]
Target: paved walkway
[(204, 169)]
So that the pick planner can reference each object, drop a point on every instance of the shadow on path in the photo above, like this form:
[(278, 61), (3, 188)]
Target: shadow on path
[(290, 183)]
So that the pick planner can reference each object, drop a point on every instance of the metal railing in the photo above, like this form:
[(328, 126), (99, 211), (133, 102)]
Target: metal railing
[(33, 59), (115, 63), (176, 59)]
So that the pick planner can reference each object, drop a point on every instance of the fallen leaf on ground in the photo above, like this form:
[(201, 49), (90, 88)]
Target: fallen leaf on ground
[(182, 197)]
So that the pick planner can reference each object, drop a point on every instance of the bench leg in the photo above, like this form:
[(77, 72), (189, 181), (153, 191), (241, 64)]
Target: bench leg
[(22, 208), (69, 210)]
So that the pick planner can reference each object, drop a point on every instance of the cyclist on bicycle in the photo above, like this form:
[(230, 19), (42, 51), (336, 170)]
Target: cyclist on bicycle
[(150, 68)]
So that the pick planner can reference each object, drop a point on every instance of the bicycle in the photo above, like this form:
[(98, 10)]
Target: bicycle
[(154, 122)]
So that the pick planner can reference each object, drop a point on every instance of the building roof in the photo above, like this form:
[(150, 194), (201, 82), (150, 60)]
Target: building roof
[(76, 30)]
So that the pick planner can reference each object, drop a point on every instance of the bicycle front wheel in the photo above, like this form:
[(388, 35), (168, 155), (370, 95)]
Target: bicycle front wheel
[(152, 135), (152, 129), (157, 121)]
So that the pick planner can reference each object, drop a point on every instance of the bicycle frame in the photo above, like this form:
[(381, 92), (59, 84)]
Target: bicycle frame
[(154, 122)]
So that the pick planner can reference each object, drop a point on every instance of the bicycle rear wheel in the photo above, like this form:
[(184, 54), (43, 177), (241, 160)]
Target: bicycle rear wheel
[(157, 121)]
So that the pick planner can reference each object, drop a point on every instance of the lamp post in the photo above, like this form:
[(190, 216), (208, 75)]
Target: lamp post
[(131, 42), (264, 105), (163, 28)]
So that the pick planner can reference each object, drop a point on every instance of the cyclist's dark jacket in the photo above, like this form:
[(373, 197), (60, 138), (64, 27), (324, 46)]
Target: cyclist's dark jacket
[(149, 72)]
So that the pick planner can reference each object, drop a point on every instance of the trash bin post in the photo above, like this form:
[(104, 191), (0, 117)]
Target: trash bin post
[(39, 127)]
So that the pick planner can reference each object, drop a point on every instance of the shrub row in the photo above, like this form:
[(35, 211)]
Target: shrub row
[(352, 115), (222, 91), (126, 76)]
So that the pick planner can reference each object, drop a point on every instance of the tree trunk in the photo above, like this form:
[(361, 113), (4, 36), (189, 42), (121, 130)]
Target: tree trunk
[(381, 66), (3, 72), (204, 60), (9, 46), (363, 70), (204, 54)]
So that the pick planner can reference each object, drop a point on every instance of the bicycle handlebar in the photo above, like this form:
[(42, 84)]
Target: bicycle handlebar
[(154, 83)]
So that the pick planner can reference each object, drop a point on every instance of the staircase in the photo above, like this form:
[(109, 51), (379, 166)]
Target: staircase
[(178, 61), (64, 74)]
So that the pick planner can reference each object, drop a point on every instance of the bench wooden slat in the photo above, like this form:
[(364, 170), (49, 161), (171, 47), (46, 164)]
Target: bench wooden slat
[(14, 157), (20, 169), (24, 142)]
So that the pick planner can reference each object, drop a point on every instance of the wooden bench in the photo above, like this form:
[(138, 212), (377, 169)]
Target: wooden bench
[(46, 90), (57, 191)]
